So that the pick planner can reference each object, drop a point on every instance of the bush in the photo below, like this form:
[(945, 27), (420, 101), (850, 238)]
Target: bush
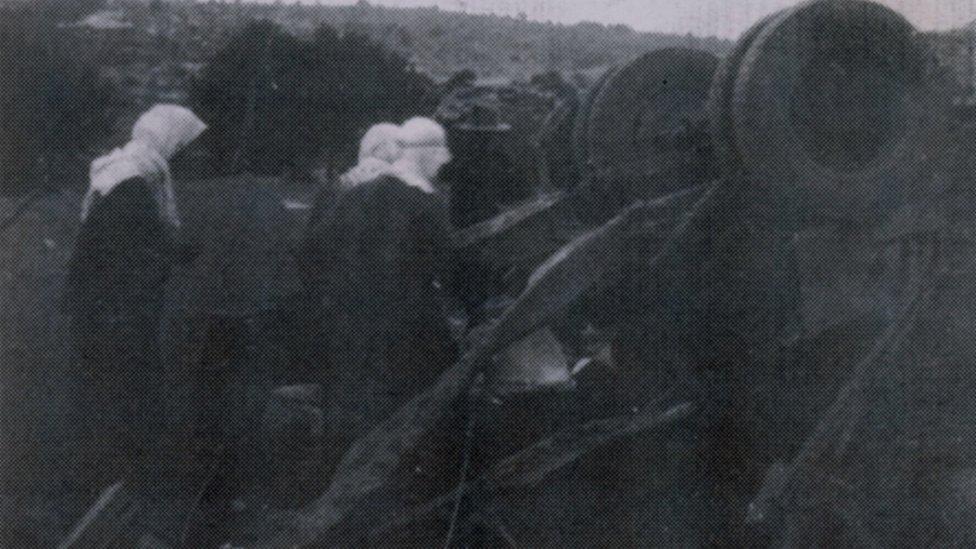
[(276, 103), (53, 106), (250, 96)]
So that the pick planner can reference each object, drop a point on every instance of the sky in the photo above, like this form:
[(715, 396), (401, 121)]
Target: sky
[(725, 18)]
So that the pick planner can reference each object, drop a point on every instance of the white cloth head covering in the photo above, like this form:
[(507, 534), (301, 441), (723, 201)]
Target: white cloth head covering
[(421, 131), (368, 169), (382, 142), (378, 149), (158, 135), (425, 151)]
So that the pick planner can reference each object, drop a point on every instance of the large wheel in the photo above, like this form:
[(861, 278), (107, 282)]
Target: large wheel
[(720, 99), (642, 111), (833, 111)]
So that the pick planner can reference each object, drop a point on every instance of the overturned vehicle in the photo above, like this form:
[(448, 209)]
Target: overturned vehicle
[(742, 318)]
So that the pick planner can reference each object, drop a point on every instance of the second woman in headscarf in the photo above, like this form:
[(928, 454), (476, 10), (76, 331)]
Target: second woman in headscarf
[(378, 150), (385, 259)]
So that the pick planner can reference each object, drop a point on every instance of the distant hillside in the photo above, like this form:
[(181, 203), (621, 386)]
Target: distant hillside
[(442, 42), (150, 51)]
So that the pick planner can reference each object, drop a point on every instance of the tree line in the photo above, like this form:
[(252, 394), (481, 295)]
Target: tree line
[(274, 102)]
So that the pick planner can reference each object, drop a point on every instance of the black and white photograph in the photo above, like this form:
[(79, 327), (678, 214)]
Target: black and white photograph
[(477, 274)]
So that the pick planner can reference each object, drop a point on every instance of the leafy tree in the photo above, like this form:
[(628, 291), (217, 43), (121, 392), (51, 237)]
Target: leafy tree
[(356, 83), (53, 106), (275, 102), (251, 97)]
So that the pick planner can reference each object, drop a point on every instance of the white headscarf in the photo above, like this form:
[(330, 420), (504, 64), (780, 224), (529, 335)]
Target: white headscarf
[(368, 169), (378, 150), (158, 135), (382, 142), (425, 151)]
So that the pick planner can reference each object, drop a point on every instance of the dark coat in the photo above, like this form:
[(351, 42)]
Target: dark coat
[(122, 257), (114, 294), (307, 257), (326, 195), (382, 253)]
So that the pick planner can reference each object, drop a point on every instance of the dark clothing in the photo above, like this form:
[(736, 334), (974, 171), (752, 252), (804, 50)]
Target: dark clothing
[(114, 294), (122, 256), (382, 255), (309, 248), (482, 181), (326, 195)]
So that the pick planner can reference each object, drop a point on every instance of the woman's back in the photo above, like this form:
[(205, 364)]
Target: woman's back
[(384, 257), (122, 255)]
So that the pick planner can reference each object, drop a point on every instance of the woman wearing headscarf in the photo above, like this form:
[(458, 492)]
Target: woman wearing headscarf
[(378, 150), (385, 261), (115, 287)]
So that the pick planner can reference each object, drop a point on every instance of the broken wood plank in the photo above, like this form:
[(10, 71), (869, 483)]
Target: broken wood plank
[(106, 521), (536, 462), (503, 223), (597, 258), (588, 262), (552, 453), (156, 507), (519, 240), (506, 249)]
